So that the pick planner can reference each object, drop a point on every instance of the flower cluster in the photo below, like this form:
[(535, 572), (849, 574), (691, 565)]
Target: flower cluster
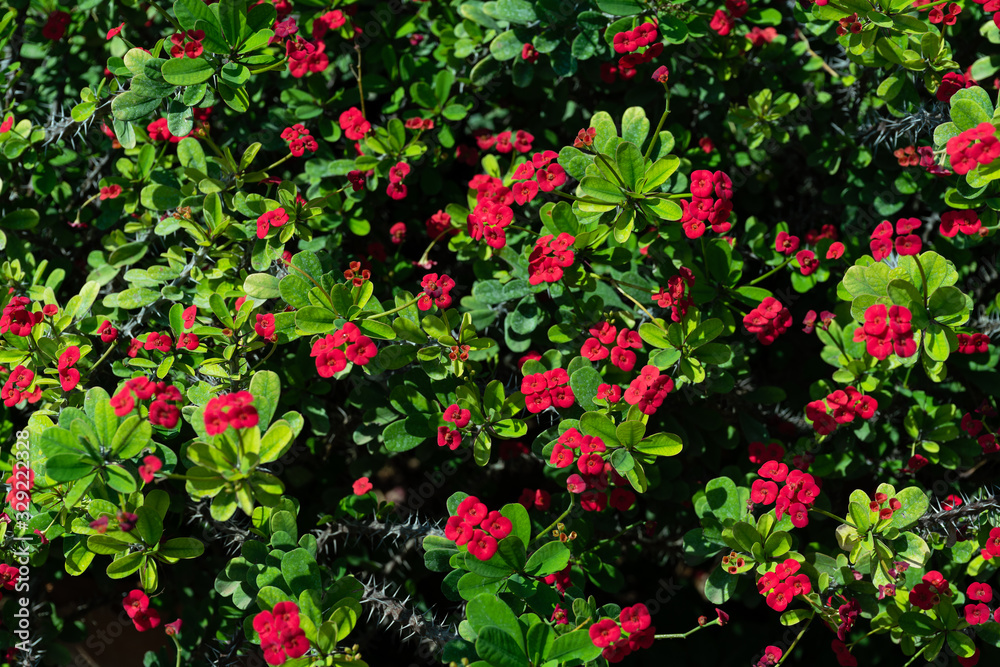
[(595, 348), (928, 592), (150, 465), (585, 137), (299, 140), (20, 482), (825, 318), (275, 218), (907, 243), (187, 44), (331, 20), (723, 20), (163, 411), (55, 26), (991, 549), (227, 410), (760, 453), (356, 274), (907, 156), (543, 390), (677, 294), (453, 414), (535, 498), (772, 654), (783, 584), (849, 24), (637, 625), (353, 124), (733, 562), (110, 192), (436, 291), (760, 36), (305, 56), (136, 605), (548, 258), (9, 574), (502, 142), (953, 222), (474, 526), (887, 330), (839, 407), (768, 320), (795, 497), (973, 343), (17, 319), (546, 177), (703, 208), (397, 173), (280, 635), (331, 359), (649, 389), (439, 224), (629, 41), (488, 220), (975, 146), (15, 388), (69, 377)]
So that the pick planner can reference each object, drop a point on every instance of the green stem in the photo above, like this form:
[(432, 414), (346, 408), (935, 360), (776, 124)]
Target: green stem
[(562, 516), (100, 361), (278, 162), (663, 118), (274, 346), (163, 12), (915, 656), (177, 645), (794, 643), (683, 635), (832, 516), (923, 278), (771, 272), (611, 169), (394, 310)]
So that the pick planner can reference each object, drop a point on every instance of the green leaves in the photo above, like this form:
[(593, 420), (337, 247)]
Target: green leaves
[(132, 106), (187, 71)]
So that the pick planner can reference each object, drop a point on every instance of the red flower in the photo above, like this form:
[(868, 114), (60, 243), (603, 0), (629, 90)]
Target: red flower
[(354, 124), (482, 545), (435, 291), (361, 486), (136, 602), (785, 243), (55, 26), (980, 591), (150, 464), (264, 326), (721, 23), (661, 74), (975, 614), (807, 262), (635, 618), (604, 633), (110, 192), (276, 218)]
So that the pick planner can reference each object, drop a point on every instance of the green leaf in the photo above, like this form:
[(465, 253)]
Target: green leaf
[(490, 611), (723, 498), (635, 126), (405, 434), (914, 505), (661, 444), (499, 648), (182, 548), (966, 114), (300, 571), (659, 172), (630, 163), (132, 106), (629, 433), (575, 645), (514, 11), (189, 11), (506, 46), (262, 286), (584, 382), (918, 625), (961, 644), (315, 320), (149, 525), (67, 467), (777, 544), (551, 557), (598, 188), (720, 586), (599, 425), (131, 437), (124, 566), (24, 218), (620, 7)]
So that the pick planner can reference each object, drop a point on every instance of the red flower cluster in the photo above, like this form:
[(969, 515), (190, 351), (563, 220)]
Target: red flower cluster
[(20, 481), (159, 131), (938, 14), (418, 123), (844, 404), (585, 137), (530, 54), (436, 291), (150, 464), (305, 56), (703, 208), (488, 220), (760, 37), (953, 222), (768, 320), (502, 143), (299, 140), (163, 411), (761, 453), (973, 343), (17, 319), (547, 178), (275, 218), (548, 258), (907, 243), (543, 390), (796, 497), (69, 377), (826, 318), (55, 26), (227, 410), (264, 327), (975, 146), (9, 574), (649, 389), (187, 44), (474, 526), (772, 654), (783, 584), (733, 562), (354, 124), (677, 294), (280, 635), (629, 41), (928, 592), (453, 414), (639, 631), (991, 549), (849, 24), (356, 274), (887, 330), (397, 173), (330, 359), (15, 388), (136, 605), (537, 499), (604, 335), (331, 20), (109, 192)]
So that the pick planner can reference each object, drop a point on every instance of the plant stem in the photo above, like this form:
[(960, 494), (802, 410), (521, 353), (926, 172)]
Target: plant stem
[(832, 516), (693, 630), (163, 12), (770, 273), (558, 519), (663, 118), (794, 643), (394, 310)]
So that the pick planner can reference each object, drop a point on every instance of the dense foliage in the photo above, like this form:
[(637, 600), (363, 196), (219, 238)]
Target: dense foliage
[(517, 333)]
